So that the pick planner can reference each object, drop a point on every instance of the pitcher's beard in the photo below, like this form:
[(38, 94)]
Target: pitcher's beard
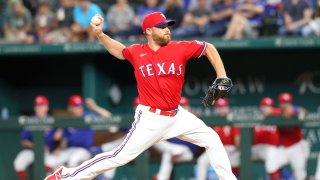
[(162, 40)]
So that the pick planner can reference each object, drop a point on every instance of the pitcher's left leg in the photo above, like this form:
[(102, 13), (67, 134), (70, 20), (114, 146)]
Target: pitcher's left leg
[(192, 129)]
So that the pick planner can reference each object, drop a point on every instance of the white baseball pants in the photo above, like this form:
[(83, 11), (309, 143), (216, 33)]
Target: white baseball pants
[(266, 153), (149, 128), (170, 150), (26, 157), (317, 175), (108, 147), (203, 162), (296, 155), (73, 156)]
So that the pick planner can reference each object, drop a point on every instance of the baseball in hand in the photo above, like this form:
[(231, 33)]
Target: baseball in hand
[(95, 20)]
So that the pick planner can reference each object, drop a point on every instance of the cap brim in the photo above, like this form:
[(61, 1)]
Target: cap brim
[(169, 22)]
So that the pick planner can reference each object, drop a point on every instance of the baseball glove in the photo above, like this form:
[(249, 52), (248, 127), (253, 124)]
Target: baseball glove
[(219, 89)]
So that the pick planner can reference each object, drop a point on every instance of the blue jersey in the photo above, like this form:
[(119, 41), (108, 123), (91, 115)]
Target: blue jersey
[(79, 137), (50, 142), (27, 135)]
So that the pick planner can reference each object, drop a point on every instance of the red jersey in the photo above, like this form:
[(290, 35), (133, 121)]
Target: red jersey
[(265, 135), (160, 74), (276, 111), (290, 135), (227, 134)]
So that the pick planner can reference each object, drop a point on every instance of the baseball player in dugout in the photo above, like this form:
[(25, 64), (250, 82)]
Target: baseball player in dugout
[(26, 156), (159, 68), (230, 137), (118, 136), (266, 140), (293, 149), (75, 142)]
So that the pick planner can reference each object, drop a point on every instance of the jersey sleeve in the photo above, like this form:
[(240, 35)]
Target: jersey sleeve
[(128, 53), (26, 135), (50, 139), (81, 137), (195, 49), (87, 139)]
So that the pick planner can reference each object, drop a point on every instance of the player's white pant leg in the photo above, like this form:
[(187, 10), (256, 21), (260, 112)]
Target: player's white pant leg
[(271, 152), (165, 166), (202, 166), (51, 161), (110, 174), (233, 154), (108, 147), (317, 175), (147, 129), (298, 160), (259, 152), (77, 155), (58, 159), (192, 129), (172, 148), (306, 147), (113, 144), (182, 154), (164, 146), (203, 161), (23, 160), (278, 160), (185, 156), (255, 152)]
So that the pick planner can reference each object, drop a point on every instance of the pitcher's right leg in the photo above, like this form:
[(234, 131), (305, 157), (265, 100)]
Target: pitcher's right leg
[(141, 136)]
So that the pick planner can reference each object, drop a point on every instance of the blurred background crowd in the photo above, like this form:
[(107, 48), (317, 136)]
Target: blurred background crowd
[(58, 21)]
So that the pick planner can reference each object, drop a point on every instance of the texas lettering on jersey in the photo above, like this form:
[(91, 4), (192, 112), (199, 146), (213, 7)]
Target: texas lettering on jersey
[(160, 73), (161, 69)]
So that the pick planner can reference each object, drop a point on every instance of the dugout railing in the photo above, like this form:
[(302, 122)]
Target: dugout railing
[(141, 163)]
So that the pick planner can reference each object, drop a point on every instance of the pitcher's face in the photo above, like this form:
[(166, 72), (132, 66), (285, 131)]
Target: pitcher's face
[(161, 35)]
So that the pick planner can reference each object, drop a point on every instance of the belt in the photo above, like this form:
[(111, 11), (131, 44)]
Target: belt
[(164, 113)]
